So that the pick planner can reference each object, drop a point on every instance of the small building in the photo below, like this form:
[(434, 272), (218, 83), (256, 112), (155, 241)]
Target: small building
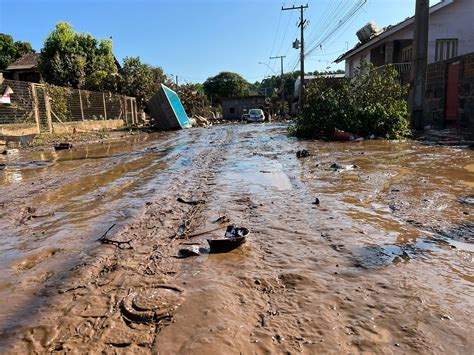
[(451, 29), (308, 78), (25, 69), (234, 107)]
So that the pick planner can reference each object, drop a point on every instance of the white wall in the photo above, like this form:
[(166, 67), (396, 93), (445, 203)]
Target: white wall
[(357, 59), (453, 21)]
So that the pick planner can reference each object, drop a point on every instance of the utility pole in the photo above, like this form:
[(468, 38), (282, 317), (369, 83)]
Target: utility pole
[(419, 63), (177, 83), (282, 85), (301, 25)]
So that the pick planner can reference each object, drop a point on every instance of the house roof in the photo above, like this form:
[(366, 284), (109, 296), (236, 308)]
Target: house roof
[(387, 31), (28, 61)]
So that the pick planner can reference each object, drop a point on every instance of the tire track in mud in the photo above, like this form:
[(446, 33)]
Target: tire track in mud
[(299, 285), (122, 298)]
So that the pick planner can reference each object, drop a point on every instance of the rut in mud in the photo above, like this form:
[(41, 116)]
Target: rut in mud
[(383, 263)]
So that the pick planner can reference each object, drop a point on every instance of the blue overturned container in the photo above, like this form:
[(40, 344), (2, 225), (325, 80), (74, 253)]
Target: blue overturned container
[(167, 110)]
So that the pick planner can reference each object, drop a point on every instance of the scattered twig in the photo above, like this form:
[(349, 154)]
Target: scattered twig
[(119, 244), (204, 232), (222, 219), (192, 203)]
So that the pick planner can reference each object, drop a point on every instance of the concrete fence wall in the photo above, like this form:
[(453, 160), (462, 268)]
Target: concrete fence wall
[(37, 108)]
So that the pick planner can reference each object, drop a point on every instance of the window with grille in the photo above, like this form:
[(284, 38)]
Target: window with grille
[(407, 54), (446, 48)]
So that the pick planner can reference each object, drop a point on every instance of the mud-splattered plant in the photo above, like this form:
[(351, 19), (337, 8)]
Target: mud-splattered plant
[(371, 103)]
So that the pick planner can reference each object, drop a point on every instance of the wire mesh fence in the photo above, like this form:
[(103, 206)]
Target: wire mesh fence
[(44, 104)]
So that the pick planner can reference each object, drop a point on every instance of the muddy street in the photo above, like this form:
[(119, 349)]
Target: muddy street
[(383, 263)]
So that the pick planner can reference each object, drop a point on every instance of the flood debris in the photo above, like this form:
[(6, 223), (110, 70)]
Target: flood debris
[(119, 244), (467, 200), (181, 232), (339, 167), (233, 238), (63, 146), (316, 201), (10, 151), (167, 110), (343, 136), (222, 219), (189, 251), (207, 231), (303, 153), (192, 203)]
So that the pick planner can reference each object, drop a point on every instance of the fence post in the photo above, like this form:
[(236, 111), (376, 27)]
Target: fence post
[(135, 110), (35, 106), (47, 105), (80, 103), (125, 110), (105, 109)]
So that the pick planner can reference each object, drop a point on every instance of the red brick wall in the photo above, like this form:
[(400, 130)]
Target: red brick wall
[(437, 75)]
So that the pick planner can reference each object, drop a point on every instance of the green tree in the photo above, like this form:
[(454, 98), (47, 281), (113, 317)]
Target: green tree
[(138, 80), (159, 77), (11, 50), (193, 98), (76, 59), (225, 84)]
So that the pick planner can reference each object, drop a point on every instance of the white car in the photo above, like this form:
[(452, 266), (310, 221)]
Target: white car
[(256, 115)]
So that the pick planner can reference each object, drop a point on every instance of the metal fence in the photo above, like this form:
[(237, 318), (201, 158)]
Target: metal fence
[(43, 105)]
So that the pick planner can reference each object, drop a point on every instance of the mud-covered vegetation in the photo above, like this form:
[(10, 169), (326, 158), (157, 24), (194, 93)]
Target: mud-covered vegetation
[(371, 103)]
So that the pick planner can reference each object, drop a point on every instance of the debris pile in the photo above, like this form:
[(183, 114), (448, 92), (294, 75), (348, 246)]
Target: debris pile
[(200, 121)]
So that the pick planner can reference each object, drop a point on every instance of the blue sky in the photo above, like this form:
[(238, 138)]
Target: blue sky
[(195, 39)]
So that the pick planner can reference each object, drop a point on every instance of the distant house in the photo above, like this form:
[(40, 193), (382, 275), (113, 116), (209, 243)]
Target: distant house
[(451, 30), (234, 107), (25, 68)]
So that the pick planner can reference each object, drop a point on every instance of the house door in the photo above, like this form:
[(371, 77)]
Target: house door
[(452, 95)]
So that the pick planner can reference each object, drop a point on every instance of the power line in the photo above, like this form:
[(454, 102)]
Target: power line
[(340, 24), (274, 40)]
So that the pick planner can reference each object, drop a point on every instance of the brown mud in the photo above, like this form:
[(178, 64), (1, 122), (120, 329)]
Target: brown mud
[(384, 263)]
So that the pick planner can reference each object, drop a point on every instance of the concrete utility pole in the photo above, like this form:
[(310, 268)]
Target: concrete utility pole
[(301, 25), (282, 85), (419, 63)]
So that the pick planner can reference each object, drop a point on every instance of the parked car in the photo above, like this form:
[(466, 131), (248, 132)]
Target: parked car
[(245, 116), (256, 115)]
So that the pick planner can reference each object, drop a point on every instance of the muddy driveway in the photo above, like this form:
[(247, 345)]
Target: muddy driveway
[(383, 263)]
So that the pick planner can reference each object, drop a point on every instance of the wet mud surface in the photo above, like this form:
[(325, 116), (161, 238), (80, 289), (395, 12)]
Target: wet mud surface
[(91, 242)]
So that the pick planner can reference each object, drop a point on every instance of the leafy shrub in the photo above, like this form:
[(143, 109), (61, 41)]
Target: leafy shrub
[(371, 103), (59, 100)]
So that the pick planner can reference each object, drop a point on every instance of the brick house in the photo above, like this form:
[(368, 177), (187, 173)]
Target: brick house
[(25, 69)]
